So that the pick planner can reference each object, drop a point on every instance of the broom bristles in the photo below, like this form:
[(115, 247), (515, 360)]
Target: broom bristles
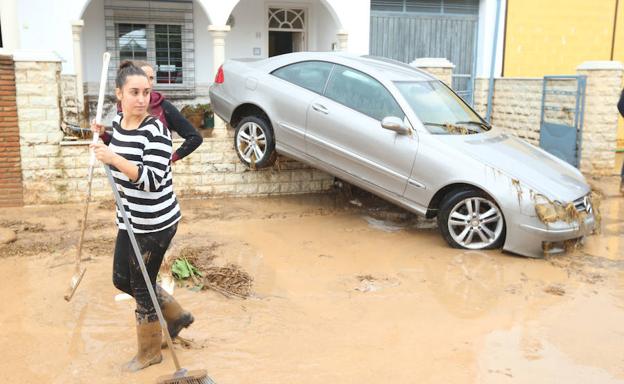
[(192, 377)]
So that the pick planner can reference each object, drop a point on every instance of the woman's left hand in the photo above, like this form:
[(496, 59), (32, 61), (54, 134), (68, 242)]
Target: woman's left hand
[(103, 153)]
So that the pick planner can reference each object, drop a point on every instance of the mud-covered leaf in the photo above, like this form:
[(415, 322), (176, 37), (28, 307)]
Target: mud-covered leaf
[(182, 269)]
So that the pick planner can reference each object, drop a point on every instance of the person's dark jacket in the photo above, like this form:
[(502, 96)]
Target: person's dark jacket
[(178, 123), (621, 104), (173, 119)]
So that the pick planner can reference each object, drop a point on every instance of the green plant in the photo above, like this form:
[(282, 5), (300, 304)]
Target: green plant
[(182, 269)]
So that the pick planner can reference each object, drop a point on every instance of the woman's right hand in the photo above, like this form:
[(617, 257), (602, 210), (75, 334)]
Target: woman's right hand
[(97, 128)]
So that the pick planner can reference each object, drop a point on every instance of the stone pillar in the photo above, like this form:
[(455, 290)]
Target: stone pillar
[(599, 136), (219, 32), (436, 66), (37, 77), (343, 40), (76, 32), (10, 28)]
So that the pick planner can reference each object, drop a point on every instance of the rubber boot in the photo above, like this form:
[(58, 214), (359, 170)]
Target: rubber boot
[(149, 338), (176, 318)]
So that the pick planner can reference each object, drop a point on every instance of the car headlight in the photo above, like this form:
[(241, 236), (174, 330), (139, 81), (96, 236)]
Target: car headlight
[(549, 212), (546, 212)]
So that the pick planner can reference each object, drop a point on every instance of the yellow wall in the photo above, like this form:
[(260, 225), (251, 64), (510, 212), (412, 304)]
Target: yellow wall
[(553, 37)]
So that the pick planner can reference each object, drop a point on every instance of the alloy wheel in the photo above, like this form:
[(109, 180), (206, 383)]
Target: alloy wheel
[(251, 142), (475, 223)]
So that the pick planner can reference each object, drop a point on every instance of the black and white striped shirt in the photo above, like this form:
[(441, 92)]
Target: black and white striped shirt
[(150, 203)]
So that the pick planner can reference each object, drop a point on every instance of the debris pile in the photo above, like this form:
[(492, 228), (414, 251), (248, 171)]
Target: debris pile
[(197, 265)]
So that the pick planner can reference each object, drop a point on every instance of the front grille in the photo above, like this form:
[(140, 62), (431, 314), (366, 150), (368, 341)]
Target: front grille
[(583, 204)]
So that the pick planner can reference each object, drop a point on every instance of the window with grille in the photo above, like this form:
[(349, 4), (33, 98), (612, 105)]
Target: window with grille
[(463, 7), (156, 31)]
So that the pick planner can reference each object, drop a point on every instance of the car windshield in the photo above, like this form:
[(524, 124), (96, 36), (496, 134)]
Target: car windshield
[(440, 110)]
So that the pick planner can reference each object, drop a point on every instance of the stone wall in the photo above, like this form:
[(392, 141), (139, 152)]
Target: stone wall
[(38, 95), (55, 170), (213, 170), (69, 104), (11, 193), (516, 105), (601, 115), (438, 67)]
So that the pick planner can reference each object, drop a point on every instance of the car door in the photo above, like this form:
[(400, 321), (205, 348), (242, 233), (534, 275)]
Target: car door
[(344, 131), (294, 87)]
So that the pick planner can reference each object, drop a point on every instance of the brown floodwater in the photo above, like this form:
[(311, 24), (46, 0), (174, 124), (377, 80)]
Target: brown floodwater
[(342, 293)]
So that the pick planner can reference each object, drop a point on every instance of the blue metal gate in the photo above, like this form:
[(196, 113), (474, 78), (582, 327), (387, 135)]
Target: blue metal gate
[(561, 122)]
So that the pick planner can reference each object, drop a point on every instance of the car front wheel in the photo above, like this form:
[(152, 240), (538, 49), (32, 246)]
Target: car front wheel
[(470, 219), (254, 142)]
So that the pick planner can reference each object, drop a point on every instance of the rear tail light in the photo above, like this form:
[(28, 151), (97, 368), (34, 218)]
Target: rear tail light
[(219, 78)]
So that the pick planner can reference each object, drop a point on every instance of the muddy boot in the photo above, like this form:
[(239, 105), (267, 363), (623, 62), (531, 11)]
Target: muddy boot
[(176, 318), (149, 337)]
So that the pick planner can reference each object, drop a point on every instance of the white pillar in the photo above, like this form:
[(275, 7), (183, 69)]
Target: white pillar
[(10, 28), (219, 32), (76, 32), (343, 39)]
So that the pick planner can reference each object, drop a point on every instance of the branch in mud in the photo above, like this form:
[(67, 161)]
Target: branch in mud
[(229, 280)]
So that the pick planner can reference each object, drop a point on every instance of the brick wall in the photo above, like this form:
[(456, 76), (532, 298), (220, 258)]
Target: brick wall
[(11, 193)]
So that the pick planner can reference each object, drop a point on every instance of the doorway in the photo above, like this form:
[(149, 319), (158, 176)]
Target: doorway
[(286, 31), (281, 42)]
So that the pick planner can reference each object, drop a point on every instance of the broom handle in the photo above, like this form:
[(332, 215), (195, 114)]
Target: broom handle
[(98, 120), (139, 258)]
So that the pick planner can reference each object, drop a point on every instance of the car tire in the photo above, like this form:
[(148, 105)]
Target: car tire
[(471, 219), (254, 142)]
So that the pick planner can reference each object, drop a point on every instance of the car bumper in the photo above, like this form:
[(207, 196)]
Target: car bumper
[(536, 239), (221, 105)]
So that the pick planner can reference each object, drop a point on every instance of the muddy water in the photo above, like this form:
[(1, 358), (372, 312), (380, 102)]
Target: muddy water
[(340, 296)]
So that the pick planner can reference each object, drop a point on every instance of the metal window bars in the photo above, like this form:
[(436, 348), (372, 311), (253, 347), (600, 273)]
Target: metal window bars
[(159, 32)]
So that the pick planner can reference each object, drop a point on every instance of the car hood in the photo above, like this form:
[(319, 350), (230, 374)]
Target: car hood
[(532, 166)]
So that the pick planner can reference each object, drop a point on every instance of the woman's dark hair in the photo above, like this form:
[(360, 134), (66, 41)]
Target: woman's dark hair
[(127, 68)]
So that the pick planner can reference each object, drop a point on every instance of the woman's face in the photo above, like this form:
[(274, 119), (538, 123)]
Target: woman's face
[(149, 71), (134, 96)]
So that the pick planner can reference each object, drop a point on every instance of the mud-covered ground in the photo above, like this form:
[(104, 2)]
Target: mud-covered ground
[(345, 290)]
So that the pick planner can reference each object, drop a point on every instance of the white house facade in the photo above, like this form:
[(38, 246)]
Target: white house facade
[(188, 39)]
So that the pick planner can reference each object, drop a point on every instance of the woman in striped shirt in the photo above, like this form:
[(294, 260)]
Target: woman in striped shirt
[(139, 155)]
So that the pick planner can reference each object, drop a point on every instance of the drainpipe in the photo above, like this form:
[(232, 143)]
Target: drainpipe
[(488, 116)]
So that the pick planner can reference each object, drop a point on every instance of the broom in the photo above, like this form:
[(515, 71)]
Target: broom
[(79, 271), (181, 375)]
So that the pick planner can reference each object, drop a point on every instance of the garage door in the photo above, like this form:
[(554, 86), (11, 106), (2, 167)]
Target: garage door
[(408, 29)]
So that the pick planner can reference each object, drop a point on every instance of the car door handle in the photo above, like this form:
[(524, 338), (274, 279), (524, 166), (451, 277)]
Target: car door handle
[(320, 108)]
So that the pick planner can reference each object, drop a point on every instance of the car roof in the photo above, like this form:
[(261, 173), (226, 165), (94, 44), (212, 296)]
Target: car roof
[(379, 66)]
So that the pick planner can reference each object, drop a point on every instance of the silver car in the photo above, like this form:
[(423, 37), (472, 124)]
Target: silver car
[(405, 136)]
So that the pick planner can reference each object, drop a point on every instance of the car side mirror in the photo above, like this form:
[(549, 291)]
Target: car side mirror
[(395, 124)]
